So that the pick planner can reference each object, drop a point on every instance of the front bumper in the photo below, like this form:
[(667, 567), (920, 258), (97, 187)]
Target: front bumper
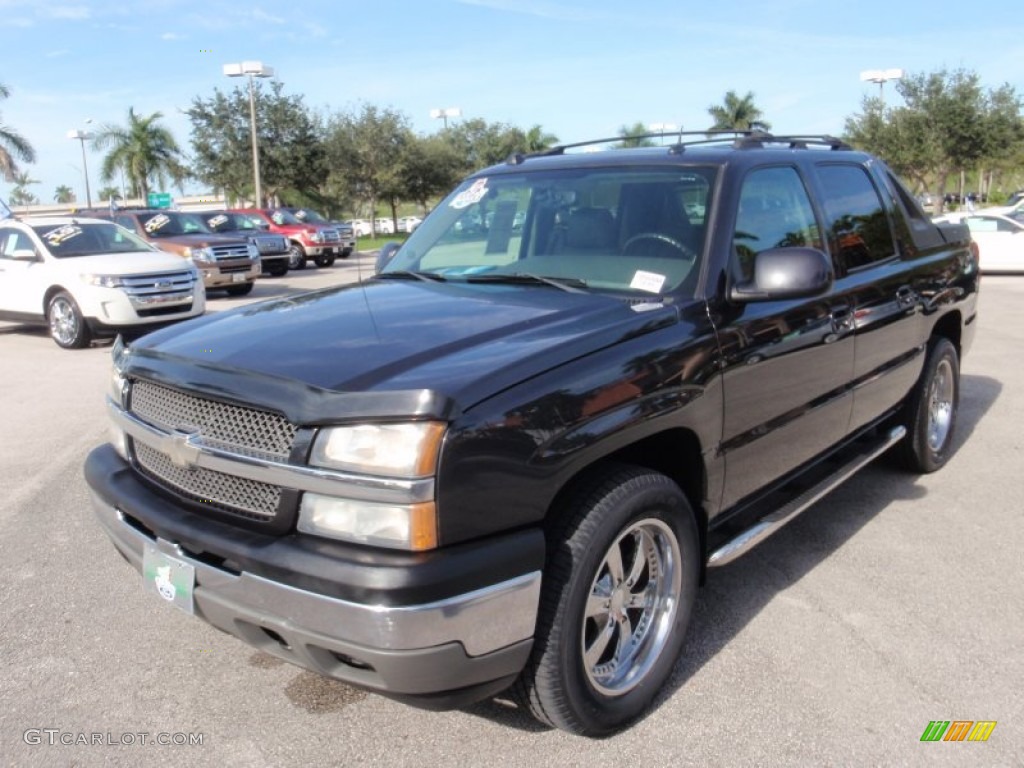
[(399, 626), (225, 274)]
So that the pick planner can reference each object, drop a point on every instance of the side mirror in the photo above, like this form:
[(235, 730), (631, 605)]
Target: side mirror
[(387, 253), (786, 273), (24, 254)]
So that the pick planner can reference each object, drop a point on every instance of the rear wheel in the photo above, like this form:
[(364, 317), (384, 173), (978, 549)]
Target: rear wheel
[(240, 290), (67, 326), (930, 414), (619, 587), (296, 256)]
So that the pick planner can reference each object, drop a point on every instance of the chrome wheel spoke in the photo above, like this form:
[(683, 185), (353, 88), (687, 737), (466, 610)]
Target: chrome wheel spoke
[(592, 655)]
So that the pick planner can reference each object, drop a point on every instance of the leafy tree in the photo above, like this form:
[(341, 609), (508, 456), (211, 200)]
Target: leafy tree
[(64, 194), (737, 114), (630, 136), (947, 124), (431, 167), (20, 194), (13, 146), (366, 152), (108, 192), (480, 143), (292, 155), (536, 140), (144, 150)]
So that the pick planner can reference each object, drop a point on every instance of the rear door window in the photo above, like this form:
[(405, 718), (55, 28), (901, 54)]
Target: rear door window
[(855, 219)]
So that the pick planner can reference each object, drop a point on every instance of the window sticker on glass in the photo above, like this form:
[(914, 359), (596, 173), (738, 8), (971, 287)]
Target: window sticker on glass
[(62, 234), (651, 282), (474, 194), (158, 222), (216, 221)]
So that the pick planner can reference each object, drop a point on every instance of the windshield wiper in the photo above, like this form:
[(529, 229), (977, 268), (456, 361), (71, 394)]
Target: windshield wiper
[(405, 274), (567, 284)]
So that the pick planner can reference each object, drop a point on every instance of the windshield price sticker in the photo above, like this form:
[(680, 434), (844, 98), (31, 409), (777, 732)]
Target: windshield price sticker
[(217, 220), (157, 222), (651, 282), (468, 197), (62, 234)]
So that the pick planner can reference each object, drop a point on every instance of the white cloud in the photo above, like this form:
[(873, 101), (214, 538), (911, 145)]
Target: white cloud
[(171, 36), (57, 54), (74, 12), (15, 21), (315, 30), (260, 15)]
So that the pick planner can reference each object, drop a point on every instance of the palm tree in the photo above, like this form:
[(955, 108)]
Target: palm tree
[(63, 194), (629, 134), (20, 194), (108, 192), (12, 146), (537, 140), (736, 114), (144, 150)]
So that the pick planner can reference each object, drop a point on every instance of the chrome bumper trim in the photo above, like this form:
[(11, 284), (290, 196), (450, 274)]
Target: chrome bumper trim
[(482, 621)]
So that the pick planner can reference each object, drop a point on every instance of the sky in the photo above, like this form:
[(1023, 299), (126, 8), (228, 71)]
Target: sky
[(579, 69)]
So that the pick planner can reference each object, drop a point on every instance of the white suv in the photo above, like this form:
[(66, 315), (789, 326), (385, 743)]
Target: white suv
[(85, 277)]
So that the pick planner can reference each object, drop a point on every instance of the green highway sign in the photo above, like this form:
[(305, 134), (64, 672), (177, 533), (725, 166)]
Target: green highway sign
[(158, 200)]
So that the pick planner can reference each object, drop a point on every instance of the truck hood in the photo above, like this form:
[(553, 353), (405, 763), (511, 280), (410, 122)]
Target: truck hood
[(389, 348), (137, 263)]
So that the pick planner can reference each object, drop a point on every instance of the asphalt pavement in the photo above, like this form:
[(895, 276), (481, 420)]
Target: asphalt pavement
[(895, 601)]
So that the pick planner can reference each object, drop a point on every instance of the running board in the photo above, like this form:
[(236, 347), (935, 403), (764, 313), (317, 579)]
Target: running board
[(769, 524)]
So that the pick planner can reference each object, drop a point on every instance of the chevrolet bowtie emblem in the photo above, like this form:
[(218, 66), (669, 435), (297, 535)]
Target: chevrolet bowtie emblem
[(183, 449)]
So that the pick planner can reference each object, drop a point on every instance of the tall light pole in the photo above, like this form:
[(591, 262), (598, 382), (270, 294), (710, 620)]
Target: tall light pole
[(252, 69), (664, 128), (444, 114), (881, 76), (82, 136)]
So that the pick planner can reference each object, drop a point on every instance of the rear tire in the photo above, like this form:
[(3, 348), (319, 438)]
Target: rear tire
[(240, 290), (930, 413), (296, 256), (618, 590), (67, 326)]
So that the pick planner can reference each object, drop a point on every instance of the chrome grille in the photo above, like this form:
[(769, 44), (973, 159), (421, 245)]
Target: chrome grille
[(267, 244), (331, 236), (237, 495), (159, 288), (230, 426), (230, 251)]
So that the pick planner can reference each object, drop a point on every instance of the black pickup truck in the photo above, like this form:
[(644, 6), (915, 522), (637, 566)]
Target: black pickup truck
[(508, 459)]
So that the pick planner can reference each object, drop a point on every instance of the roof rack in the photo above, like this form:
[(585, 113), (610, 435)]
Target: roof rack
[(738, 139)]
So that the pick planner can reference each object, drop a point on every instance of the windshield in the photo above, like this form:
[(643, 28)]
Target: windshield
[(280, 217), (88, 238), (627, 229), (225, 221), (170, 223), (306, 215)]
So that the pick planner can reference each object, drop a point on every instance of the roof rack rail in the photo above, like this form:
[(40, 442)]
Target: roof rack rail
[(738, 139)]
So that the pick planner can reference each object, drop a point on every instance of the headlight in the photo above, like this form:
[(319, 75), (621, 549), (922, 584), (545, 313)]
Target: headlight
[(317, 237), (397, 526), (103, 281), (254, 252), (199, 255), (118, 386), (394, 450)]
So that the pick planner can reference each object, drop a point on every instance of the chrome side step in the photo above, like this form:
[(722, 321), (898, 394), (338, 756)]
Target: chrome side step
[(769, 524)]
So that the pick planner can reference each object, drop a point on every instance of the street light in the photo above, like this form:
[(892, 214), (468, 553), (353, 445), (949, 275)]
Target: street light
[(445, 114), (82, 136), (881, 76), (252, 69)]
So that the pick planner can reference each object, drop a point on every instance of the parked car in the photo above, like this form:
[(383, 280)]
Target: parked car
[(1000, 239), (384, 226), (308, 215), (87, 278), (409, 223), (226, 262), (361, 227), (509, 460), (305, 239), (273, 248)]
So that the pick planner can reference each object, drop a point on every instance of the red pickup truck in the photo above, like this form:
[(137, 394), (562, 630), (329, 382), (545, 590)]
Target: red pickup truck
[(305, 239)]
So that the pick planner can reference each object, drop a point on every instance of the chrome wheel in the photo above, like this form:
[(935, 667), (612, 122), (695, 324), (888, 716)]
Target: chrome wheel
[(940, 405), (67, 326), (631, 607)]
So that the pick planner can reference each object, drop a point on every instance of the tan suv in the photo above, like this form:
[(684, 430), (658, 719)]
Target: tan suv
[(225, 262)]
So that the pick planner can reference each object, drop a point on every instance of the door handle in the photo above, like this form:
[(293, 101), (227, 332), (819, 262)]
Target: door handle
[(842, 320), (905, 296)]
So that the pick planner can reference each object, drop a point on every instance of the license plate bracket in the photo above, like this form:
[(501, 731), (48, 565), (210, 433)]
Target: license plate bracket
[(169, 578)]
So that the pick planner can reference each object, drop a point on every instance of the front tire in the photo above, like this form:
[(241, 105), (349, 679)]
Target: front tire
[(279, 269), (618, 591), (296, 256), (240, 290), (930, 413), (67, 326), (325, 260)]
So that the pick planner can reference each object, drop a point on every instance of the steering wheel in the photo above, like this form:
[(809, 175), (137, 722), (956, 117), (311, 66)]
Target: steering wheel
[(685, 250)]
